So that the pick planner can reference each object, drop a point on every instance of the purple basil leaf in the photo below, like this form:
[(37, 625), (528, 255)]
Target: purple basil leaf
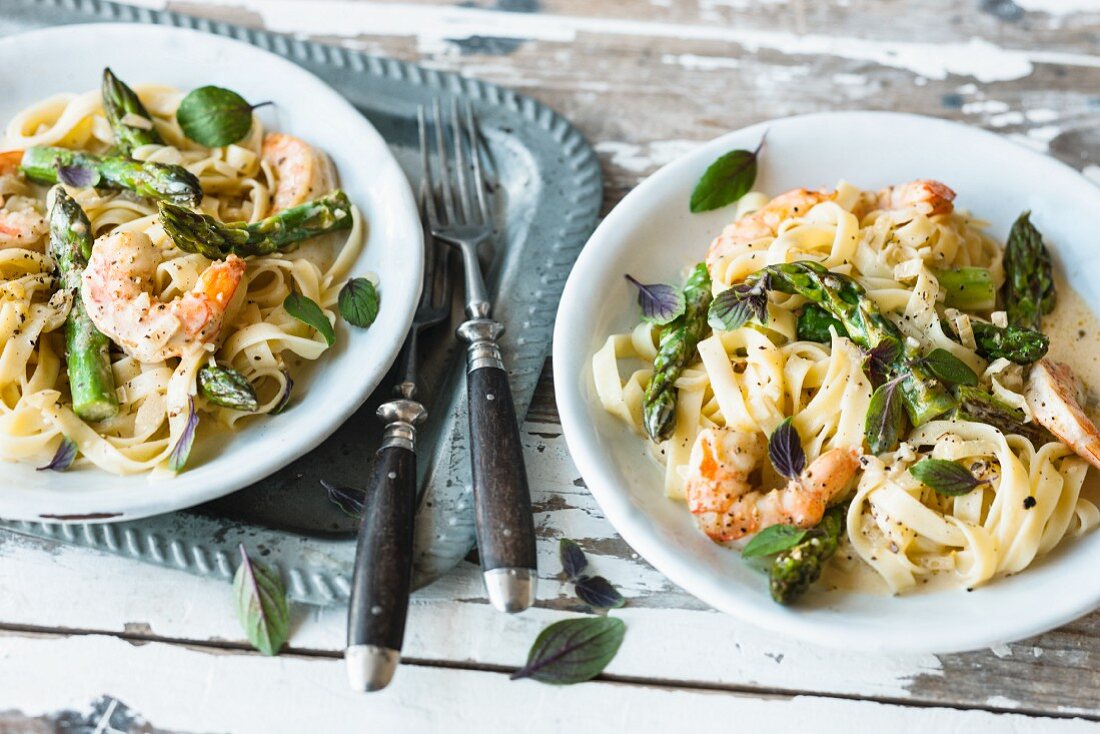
[(573, 650), (182, 449), (597, 592), (261, 605), (785, 450), (573, 561), (881, 357), (661, 303), (64, 456), (348, 499), (885, 420), (79, 177), (284, 399)]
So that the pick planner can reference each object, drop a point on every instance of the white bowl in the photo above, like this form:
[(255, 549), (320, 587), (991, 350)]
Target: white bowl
[(71, 59), (652, 236)]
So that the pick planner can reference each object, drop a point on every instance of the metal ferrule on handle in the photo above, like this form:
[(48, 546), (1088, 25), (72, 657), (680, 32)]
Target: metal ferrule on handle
[(481, 335), (402, 416)]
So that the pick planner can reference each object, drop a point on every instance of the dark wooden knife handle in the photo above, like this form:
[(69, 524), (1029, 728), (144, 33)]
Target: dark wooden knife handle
[(505, 525), (379, 598)]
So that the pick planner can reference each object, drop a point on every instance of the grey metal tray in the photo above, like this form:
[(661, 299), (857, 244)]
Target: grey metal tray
[(547, 190)]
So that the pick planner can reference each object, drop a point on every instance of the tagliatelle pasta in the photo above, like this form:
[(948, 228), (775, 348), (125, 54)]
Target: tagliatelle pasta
[(742, 384), (258, 338)]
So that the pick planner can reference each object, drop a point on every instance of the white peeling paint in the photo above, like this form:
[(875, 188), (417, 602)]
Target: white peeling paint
[(1044, 133), (1060, 7), (294, 694), (1007, 118), (984, 106), (642, 158), (1041, 115), (1002, 650), (701, 63), (981, 59)]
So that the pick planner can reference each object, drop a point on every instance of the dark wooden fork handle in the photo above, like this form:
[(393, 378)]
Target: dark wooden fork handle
[(505, 524), (379, 599)]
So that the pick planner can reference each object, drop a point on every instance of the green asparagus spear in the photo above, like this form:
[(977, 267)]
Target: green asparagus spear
[(227, 387), (981, 406), (1016, 344), (128, 117), (846, 300), (194, 232), (1029, 276), (676, 349), (159, 181), (814, 322), (969, 289), (793, 571), (91, 381)]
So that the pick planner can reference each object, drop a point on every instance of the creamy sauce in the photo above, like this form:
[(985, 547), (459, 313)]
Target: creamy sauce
[(1074, 331)]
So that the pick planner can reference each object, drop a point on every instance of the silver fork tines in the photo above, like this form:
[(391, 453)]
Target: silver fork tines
[(455, 199)]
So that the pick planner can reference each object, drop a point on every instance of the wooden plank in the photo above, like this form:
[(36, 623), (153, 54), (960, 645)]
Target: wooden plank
[(168, 687), (672, 637)]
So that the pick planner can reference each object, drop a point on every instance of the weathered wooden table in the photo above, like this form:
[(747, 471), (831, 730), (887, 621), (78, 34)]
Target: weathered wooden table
[(101, 644)]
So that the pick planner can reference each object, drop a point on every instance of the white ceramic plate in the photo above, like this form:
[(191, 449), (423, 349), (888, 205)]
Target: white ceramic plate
[(652, 235), (71, 59)]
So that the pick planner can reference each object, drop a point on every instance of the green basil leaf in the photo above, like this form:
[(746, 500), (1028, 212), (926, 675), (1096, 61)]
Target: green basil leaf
[(309, 313), (946, 477), (736, 306), (573, 561), (359, 302), (573, 650), (261, 605), (598, 593), (949, 368), (178, 458), (773, 539), (785, 450), (213, 116), (885, 418), (726, 180)]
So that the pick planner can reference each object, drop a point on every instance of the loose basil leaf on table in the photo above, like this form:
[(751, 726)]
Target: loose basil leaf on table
[(214, 116), (773, 539), (261, 605), (309, 313), (661, 303), (945, 477), (598, 592), (573, 560), (726, 180), (573, 650), (348, 499)]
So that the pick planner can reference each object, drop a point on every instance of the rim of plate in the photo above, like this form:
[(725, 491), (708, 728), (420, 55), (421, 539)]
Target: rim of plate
[(608, 485), (375, 349)]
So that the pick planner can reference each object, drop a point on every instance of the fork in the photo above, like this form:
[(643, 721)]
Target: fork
[(379, 598), (459, 214)]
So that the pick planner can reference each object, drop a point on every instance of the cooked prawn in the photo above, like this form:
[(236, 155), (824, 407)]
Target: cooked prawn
[(116, 290), (302, 172), (21, 224), (728, 508), (1052, 395), (924, 197)]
